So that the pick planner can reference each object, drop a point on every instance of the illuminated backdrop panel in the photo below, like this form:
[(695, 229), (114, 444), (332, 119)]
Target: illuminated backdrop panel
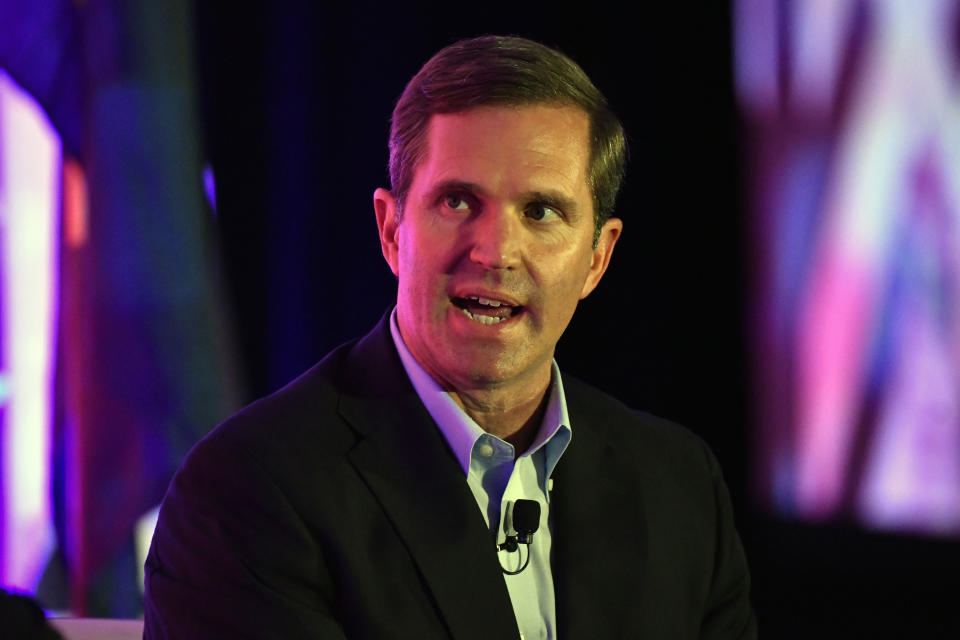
[(852, 113)]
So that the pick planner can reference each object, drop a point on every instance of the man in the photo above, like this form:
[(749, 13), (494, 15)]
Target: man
[(373, 497)]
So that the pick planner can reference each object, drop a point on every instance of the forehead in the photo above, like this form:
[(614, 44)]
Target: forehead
[(507, 147)]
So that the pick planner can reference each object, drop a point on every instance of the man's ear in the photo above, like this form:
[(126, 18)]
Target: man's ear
[(385, 206), (600, 259)]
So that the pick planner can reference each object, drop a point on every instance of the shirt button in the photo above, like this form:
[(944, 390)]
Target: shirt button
[(486, 450)]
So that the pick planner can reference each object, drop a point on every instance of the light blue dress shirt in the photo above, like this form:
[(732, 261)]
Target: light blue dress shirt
[(497, 480)]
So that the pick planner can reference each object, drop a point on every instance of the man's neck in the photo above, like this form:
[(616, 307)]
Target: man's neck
[(511, 409), (515, 419)]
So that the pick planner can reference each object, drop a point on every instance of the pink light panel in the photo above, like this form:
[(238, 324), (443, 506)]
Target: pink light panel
[(30, 156), (853, 114)]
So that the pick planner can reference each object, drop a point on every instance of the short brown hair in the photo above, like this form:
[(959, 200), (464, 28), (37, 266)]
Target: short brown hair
[(505, 70)]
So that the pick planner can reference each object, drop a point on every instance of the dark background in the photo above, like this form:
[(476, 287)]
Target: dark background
[(296, 103)]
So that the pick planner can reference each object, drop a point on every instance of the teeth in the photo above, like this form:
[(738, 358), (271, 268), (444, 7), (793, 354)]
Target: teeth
[(486, 301), (482, 319)]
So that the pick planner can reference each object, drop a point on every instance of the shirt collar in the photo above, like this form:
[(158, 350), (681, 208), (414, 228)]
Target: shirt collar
[(462, 432)]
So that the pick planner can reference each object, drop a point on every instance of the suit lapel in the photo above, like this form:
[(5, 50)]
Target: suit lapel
[(407, 465), (598, 532)]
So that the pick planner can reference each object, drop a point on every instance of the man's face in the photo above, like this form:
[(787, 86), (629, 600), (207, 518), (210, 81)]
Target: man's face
[(494, 248)]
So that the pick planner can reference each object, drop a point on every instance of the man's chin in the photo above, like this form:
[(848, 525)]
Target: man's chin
[(482, 370)]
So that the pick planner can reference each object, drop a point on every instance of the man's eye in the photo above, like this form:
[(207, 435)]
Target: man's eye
[(541, 212), (456, 202)]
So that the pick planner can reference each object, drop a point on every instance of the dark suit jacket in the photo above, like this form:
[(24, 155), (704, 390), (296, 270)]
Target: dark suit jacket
[(335, 509)]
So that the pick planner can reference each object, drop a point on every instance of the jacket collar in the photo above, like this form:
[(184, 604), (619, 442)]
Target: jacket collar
[(599, 532), (406, 463)]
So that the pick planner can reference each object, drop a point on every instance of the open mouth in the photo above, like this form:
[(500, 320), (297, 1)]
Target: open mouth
[(486, 310)]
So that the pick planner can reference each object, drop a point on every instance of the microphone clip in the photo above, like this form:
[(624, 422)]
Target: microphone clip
[(525, 519), (512, 543)]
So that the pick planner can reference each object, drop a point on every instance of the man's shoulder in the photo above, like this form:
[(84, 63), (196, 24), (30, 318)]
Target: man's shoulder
[(310, 395), (628, 430), (301, 420), (307, 410)]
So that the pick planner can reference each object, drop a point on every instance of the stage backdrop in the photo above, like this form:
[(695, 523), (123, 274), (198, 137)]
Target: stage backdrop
[(852, 111)]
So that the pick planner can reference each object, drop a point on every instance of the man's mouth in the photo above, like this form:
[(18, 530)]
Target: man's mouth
[(486, 310)]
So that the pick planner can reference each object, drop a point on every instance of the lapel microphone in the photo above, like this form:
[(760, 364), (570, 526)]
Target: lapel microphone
[(525, 517)]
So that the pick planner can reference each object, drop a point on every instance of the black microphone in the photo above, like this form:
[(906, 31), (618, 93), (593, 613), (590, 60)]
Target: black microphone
[(525, 517)]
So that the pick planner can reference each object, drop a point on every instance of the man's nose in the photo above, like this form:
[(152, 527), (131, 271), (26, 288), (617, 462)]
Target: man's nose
[(495, 239)]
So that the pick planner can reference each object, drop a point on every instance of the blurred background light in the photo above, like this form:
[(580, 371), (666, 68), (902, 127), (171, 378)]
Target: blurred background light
[(853, 171), (29, 230)]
